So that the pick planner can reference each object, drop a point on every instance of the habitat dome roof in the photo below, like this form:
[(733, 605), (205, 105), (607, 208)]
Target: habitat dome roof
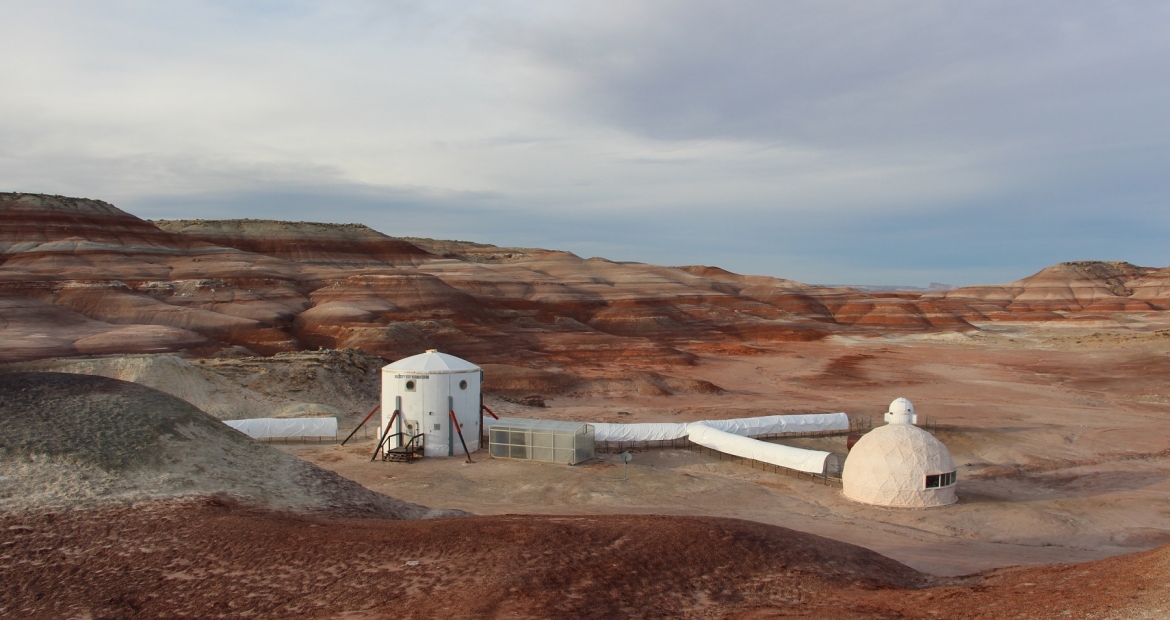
[(433, 362), (888, 466)]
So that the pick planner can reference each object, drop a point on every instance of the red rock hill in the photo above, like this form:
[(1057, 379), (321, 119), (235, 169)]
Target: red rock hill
[(80, 276)]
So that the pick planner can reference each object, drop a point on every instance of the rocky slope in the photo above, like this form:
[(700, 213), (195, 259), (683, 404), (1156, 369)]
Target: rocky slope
[(76, 441), (285, 385), (81, 277)]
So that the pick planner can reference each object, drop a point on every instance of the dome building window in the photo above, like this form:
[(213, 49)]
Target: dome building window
[(937, 481)]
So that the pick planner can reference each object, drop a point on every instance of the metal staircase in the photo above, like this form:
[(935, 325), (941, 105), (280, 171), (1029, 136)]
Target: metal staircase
[(412, 448)]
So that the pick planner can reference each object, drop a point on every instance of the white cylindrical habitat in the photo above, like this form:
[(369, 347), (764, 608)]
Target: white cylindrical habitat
[(425, 388)]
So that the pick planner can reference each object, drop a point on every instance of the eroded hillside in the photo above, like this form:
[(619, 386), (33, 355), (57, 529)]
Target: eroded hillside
[(81, 277)]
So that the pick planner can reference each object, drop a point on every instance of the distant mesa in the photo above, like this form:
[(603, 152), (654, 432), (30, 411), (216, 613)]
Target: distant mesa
[(341, 244), (82, 277)]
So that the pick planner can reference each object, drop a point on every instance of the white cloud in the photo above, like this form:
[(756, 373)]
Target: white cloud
[(585, 113)]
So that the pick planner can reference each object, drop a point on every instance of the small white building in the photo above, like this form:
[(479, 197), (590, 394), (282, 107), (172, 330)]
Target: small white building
[(424, 388), (901, 412), (899, 465)]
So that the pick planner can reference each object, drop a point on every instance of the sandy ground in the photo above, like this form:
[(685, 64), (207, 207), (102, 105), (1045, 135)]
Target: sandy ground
[(1062, 438)]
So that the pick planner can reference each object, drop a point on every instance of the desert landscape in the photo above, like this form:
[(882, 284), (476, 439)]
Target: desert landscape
[(125, 342)]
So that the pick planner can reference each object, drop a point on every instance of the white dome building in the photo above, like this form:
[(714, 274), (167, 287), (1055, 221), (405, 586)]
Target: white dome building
[(899, 465), (901, 412), (425, 388)]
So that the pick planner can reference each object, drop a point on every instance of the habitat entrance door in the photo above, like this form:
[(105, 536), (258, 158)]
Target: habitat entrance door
[(414, 389)]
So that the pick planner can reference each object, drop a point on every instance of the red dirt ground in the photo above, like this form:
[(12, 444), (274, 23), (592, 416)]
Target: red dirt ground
[(212, 558)]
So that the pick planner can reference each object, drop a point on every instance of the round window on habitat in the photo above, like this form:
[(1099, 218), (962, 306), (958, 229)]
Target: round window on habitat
[(463, 384), (410, 386)]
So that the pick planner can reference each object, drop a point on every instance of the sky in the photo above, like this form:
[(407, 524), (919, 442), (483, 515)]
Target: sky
[(863, 142)]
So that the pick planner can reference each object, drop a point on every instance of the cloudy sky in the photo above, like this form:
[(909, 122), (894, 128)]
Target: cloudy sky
[(845, 142)]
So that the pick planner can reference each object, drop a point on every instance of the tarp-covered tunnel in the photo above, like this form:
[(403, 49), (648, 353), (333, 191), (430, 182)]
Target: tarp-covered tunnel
[(268, 428)]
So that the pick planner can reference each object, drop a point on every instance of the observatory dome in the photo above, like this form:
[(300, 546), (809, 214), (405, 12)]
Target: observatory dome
[(901, 412), (899, 465)]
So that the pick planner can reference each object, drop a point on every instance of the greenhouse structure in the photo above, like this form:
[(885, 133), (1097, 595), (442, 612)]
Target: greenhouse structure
[(549, 441)]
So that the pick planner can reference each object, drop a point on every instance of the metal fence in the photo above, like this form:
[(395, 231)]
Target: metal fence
[(857, 424), (366, 432), (824, 479), (617, 447)]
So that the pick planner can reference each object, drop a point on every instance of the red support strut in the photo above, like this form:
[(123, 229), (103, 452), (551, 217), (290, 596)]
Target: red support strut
[(371, 414), (385, 435), (455, 421)]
